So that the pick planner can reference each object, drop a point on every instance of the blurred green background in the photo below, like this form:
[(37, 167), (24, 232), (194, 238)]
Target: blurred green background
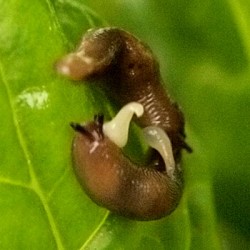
[(204, 52)]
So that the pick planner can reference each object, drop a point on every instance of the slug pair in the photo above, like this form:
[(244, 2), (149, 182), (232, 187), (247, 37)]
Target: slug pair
[(130, 74)]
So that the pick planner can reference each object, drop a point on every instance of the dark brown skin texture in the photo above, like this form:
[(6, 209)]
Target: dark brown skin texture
[(129, 73)]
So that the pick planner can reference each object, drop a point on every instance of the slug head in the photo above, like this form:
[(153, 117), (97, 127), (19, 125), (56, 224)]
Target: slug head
[(94, 55), (93, 169), (92, 131)]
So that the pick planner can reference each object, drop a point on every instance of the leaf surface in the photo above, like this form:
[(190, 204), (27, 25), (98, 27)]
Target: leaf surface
[(204, 53)]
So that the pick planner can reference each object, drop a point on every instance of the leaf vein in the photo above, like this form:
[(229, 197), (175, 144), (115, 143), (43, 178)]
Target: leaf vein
[(34, 182), (95, 231), (14, 183), (57, 183), (241, 20), (56, 22)]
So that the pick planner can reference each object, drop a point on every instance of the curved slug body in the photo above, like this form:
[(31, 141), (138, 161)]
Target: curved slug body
[(115, 182), (132, 75), (129, 73)]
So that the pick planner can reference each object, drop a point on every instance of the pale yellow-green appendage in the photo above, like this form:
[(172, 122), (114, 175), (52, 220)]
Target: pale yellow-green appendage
[(158, 139), (117, 129)]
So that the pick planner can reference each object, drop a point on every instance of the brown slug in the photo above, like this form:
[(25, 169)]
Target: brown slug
[(112, 180), (129, 73)]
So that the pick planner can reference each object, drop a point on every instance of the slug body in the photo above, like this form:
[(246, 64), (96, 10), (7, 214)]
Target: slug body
[(129, 73), (115, 182)]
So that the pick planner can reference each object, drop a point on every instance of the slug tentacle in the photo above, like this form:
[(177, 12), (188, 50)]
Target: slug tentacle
[(130, 74), (93, 132)]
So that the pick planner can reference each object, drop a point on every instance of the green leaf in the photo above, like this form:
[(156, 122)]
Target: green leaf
[(204, 53)]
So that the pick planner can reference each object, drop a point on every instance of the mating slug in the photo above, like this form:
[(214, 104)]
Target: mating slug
[(129, 73), (114, 181)]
